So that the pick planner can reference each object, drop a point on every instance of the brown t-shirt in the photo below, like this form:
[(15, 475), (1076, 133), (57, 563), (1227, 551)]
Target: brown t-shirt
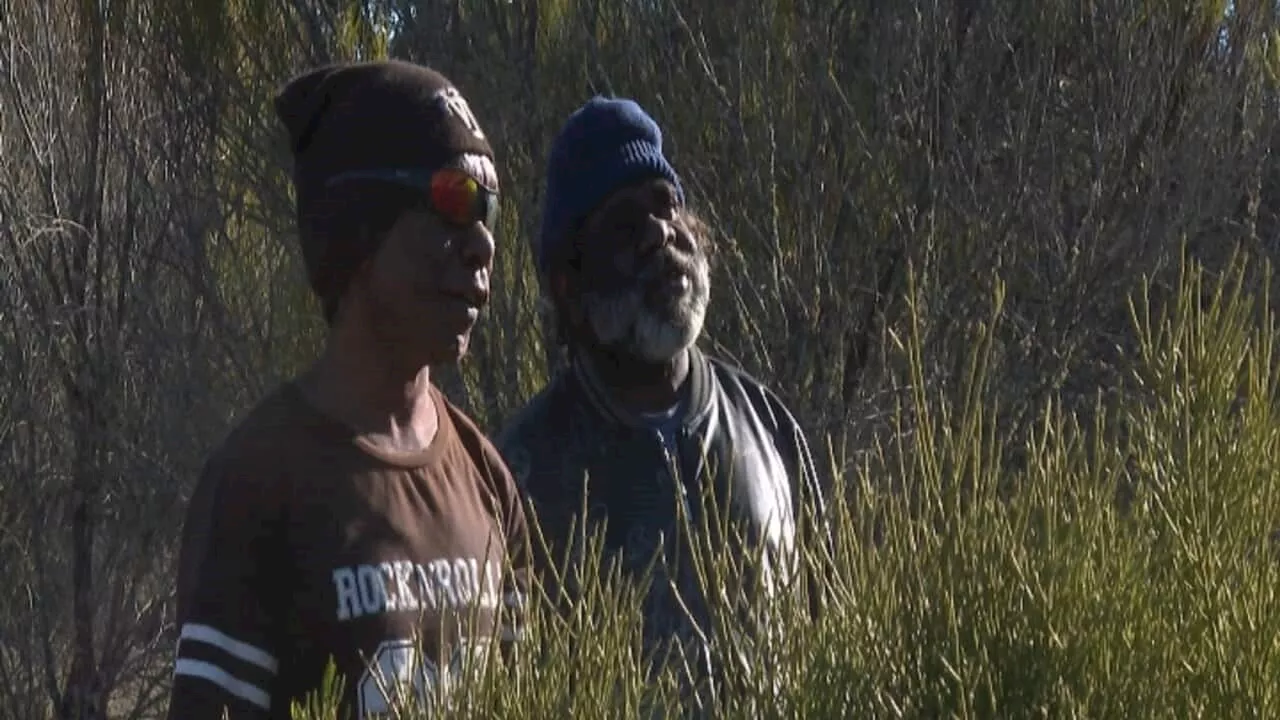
[(301, 545)]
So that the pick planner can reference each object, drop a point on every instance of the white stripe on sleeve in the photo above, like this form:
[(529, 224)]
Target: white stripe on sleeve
[(236, 648), (216, 675)]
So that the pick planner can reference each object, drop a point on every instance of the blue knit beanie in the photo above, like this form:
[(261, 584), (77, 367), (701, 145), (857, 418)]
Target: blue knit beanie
[(605, 145)]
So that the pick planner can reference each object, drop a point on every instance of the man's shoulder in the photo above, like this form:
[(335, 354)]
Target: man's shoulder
[(258, 446), (539, 437), (741, 386), (733, 373), (544, 414), (746, 394), (466, 426), (476, 443)]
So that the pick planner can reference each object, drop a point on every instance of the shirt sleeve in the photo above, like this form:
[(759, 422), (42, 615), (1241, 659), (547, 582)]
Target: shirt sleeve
[(549, 520), (812, 521), (515, 590), (507, 506), (227, 658)]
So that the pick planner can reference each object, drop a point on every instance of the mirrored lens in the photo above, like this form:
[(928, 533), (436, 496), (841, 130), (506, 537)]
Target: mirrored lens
[(461, 200)]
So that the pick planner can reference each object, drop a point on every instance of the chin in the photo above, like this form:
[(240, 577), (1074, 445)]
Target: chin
[(461, 351), (659, 337), (659, 341), (456, 351), (655, 335), (445, 351)]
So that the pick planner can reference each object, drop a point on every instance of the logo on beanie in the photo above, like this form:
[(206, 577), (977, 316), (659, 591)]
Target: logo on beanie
[(457, 106), (481, 168)]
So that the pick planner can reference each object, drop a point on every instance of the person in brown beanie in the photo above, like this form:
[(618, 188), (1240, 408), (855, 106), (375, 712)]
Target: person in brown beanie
[(356, 515)]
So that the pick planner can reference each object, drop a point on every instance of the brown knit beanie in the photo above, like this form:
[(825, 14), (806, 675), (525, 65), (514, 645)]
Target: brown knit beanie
[(343, 117)]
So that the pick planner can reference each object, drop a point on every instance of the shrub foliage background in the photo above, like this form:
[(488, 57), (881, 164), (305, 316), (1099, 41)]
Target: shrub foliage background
[(1007, 261)]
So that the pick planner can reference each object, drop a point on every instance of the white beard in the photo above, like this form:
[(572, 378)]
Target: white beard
[(624, 321)]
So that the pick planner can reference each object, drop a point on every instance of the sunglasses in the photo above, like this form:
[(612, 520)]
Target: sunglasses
[(452, 194)]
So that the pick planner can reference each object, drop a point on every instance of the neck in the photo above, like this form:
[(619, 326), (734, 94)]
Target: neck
[(380, 395), (639, 385)]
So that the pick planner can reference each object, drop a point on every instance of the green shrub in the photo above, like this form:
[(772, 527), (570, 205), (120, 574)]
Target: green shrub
[(1119, 569)]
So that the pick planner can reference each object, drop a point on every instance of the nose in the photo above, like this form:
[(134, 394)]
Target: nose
[(658, 233), (477, 247)]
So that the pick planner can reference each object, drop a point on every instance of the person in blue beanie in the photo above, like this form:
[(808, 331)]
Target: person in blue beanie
[(641, 426)]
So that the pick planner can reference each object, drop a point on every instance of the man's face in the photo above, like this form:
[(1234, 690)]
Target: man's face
[(427, 284), (645, 281)]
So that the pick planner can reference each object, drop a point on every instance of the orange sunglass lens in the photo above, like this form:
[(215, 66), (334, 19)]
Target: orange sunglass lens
[(455, 196)]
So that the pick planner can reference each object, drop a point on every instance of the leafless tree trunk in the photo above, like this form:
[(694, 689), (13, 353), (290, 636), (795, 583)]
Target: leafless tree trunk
[(90, 222)]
